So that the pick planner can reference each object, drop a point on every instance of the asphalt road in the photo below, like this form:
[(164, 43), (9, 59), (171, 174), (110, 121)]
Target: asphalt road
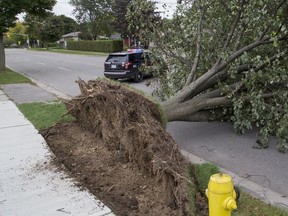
[(215, 142)]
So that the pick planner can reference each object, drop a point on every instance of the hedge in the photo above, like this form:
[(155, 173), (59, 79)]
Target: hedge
[(52, 45), (106, 46)]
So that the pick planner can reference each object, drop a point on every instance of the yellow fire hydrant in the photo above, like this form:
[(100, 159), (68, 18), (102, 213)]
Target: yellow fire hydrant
[(221, 195)]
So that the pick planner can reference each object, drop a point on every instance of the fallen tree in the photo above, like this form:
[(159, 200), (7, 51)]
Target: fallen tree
[(132, 126), (221, 60)]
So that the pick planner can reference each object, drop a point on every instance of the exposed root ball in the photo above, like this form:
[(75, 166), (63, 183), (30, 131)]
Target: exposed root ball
[(131, 125)]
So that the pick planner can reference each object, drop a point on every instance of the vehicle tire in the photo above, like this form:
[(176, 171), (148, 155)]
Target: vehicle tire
[(138, 76), (237, 191)]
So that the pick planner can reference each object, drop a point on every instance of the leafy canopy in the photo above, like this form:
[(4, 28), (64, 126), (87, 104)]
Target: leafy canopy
[(10, 9), (49, 28), (94, 15), (119, 11), (222, 60), (17, 33)]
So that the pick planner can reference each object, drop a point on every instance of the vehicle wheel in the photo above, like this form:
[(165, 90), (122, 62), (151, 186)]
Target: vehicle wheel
[(237, 191), (138, 76)]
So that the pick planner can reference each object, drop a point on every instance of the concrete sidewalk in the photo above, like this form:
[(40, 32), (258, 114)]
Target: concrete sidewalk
[(30, 184)]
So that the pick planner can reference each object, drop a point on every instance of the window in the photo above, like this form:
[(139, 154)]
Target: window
[(116, 58)]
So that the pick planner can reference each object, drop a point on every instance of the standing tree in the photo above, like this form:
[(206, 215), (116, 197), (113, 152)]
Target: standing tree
[(18, 33), (49, 28), (222, 60), (10, 9), (68, 24), (33, 24), (94, 13), (53, 27), (119, 11)]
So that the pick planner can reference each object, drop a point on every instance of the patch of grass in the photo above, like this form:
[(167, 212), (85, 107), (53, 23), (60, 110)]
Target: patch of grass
[(192, 189), (9, 77), (247, 205), (59, 50), (203, 173), (44, 115)]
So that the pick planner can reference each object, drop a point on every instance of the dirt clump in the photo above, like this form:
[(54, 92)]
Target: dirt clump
[(118, 148)]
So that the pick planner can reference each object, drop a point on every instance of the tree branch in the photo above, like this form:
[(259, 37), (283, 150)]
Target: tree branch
[(193, 106), (201, 116), (172, 54), (192, 75), (219, 66), (167, 50), (232, 30)]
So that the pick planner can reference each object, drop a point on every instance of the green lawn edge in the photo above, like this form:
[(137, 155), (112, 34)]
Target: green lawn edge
[(45, 114), (73, 52), (11, 77)]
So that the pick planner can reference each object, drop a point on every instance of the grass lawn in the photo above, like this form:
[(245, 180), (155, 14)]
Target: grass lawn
[(70, 51), (10, 77), (44, 115)]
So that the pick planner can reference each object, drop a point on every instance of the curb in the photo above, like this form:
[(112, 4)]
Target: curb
[(46, 87), (257, 191)]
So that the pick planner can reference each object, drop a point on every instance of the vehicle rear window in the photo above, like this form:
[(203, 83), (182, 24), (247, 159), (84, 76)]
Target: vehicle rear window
[(116, 58)]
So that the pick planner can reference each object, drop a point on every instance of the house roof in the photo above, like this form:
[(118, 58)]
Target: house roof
[(72, 34)]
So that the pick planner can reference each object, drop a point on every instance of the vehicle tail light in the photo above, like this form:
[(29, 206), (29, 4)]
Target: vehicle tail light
[(127, 65)]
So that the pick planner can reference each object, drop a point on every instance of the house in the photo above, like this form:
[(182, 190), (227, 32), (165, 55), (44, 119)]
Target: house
[(70, 36)]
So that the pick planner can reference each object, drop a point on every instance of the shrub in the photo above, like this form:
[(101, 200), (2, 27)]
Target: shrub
[(52, 45), (106, 46)]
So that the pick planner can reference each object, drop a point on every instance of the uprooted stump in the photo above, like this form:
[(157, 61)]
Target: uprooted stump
[(132, 126)]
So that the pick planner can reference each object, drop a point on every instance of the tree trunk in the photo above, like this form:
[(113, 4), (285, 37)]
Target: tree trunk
[(197, 109), (2, 54)]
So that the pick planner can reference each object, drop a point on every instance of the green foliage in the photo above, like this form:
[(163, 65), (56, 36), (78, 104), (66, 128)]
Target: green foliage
[(106, 46), (138, 20), (94, 16), (10, 9), (52, 45), (18, 33), (53, 27), (7, 41), (119, 11), (235, 51), (49, 28), (203, 173), (44, 115)]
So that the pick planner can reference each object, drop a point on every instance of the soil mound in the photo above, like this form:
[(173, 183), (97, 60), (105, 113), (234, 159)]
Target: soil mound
[(137, 164)]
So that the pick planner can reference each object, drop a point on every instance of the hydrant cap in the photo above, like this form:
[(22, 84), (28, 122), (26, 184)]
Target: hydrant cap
[(221, 178)]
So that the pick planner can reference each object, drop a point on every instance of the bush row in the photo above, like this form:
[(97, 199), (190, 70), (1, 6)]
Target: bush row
[(106, 46), (52, 45)]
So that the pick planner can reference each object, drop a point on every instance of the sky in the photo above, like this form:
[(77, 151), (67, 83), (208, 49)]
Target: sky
[(63, 7)]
